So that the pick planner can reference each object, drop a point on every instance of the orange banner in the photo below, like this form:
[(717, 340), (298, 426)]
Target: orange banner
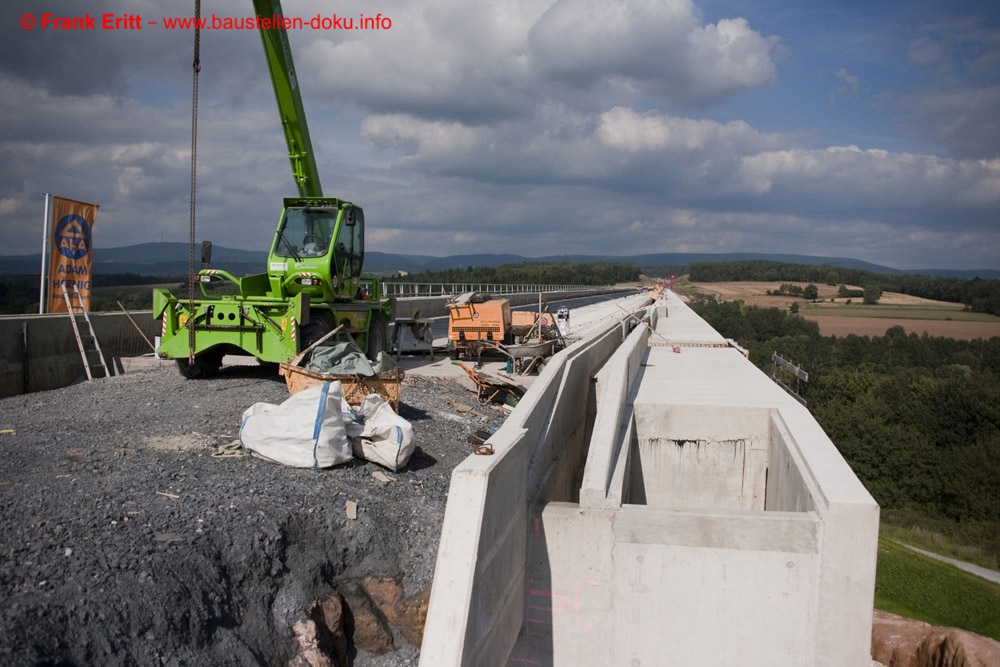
[(70, 253)]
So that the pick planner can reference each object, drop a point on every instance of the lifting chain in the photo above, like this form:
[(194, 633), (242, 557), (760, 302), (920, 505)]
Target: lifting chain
[(196, 66)]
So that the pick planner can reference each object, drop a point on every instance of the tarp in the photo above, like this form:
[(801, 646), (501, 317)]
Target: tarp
[(347, 359), (340, 359)]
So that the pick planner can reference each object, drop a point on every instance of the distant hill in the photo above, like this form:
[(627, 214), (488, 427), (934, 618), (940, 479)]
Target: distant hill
[(171, 259)]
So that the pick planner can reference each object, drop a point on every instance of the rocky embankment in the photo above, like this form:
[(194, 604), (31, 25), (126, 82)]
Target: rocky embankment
[(903, 642), (124, 541)]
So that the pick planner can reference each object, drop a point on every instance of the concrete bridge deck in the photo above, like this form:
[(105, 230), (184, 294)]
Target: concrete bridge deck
[(655, 500)]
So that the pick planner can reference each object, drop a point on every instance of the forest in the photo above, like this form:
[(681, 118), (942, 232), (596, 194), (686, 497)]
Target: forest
[(537, 273), (19, 292), (977, 294), (916, 417)]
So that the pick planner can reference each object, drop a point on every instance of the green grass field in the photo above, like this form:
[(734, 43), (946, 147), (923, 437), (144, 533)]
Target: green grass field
[(915, 586), (972, 542)]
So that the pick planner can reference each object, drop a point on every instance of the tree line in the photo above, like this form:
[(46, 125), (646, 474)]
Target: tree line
[(540, 273), (19, 292), (916, 417), (977, 294), (810, 291)]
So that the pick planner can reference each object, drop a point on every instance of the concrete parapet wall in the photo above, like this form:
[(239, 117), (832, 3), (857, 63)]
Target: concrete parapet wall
[(39, 352), (612, 431), (477, 601), (730, 524), (677, 324), (652, 586), (790, 484), (714, 516), (701, 456)]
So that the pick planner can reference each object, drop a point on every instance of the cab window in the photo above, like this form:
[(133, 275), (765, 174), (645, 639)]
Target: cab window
[(306, 232), (349, 251)]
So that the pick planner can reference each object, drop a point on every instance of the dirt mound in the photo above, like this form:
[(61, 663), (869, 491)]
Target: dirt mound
[(124, 541)]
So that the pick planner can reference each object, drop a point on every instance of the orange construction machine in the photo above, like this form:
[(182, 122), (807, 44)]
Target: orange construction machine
[(480, 324), (477, 321)]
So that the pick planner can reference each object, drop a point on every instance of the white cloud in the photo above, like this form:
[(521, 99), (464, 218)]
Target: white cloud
[(533, 126), (925, 51), (649, 48), (440, 59), (848, 86), (429, 140), (624, 128), (448, 59), (729, 56)]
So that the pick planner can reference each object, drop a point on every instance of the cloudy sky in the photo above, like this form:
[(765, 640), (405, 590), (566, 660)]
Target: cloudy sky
[(837, 128)]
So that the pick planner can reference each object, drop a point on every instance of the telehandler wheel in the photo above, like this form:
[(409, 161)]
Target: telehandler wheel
[(318, 327), (269, 366), (378, 335), (205, 366)]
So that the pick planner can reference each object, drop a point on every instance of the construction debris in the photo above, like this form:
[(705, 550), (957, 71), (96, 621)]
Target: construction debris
[(492, 389)]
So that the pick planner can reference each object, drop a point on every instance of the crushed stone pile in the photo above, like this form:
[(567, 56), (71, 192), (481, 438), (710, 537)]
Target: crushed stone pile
[(125, 539)]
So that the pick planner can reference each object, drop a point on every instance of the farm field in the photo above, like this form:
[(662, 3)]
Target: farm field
[(840, 325), (840, 318), (894, 312), (755, 293)]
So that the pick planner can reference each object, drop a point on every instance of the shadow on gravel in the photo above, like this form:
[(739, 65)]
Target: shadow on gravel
[(412, 414), (421, 460), (257, 372)]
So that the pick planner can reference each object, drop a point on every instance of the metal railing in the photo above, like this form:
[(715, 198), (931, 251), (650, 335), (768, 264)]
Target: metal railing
[(400, 289)]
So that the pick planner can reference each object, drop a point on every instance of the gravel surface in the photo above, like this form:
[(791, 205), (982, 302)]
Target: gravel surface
[(123, 541)]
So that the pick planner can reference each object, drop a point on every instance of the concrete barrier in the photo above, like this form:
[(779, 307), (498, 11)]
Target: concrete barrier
[(477, 600), (614, 424)]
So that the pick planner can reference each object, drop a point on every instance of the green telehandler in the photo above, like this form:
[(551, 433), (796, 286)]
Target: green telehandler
[(313, 281)]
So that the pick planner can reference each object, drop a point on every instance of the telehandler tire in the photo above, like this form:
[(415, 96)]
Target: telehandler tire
[(378, 335), (319, 326), (205, 365)]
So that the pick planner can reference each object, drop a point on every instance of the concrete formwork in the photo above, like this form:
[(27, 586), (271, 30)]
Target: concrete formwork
[(477, 601), (716, 524)]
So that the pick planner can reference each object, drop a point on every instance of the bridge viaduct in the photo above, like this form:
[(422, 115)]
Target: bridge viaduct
[(655, 500)]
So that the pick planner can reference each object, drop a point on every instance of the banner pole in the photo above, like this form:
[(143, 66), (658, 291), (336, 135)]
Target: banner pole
[(42, 295)]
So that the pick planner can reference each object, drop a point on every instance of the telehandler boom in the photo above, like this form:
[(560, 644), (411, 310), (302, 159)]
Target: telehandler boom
[(313, 281)]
